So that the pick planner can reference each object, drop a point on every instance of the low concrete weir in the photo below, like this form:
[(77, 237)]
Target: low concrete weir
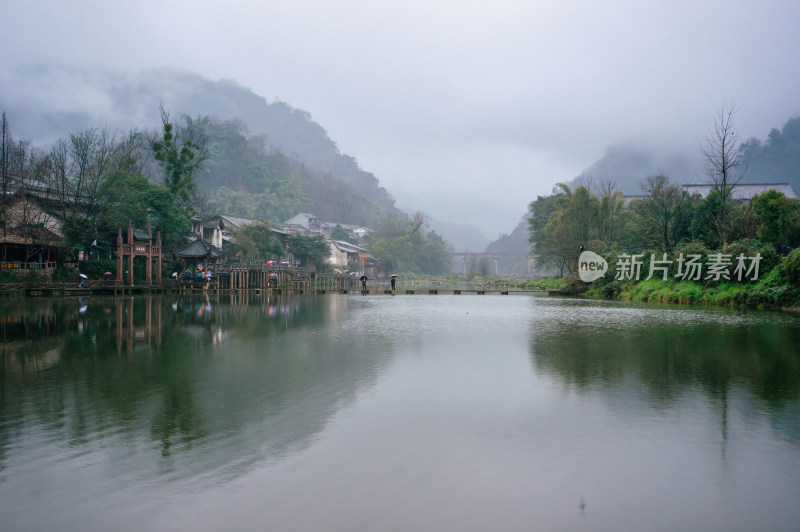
[(70, 289)]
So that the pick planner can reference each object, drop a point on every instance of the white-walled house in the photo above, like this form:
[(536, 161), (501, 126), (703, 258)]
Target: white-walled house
[(222, 228)]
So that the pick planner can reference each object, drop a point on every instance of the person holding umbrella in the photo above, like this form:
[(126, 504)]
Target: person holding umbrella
[(363, 282), (83, 278), (393, 280)]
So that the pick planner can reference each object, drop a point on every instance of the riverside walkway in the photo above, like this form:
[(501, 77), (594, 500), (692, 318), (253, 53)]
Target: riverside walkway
[(436, 291), (105, 288), (259, 278)]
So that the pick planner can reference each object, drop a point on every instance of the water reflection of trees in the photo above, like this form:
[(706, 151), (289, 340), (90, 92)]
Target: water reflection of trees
[(666, 357), (217, 383)]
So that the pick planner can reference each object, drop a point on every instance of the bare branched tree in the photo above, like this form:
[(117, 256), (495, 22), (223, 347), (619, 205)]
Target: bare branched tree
[(182, 154), (659, 210), (27, 210), (726, 166), (390, 225), (418, 221), (484, 267), (724, 154), (5, 176), (610, 207)]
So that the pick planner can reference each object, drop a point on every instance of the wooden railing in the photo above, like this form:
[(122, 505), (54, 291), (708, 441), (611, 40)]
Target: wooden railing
[(24, 265)]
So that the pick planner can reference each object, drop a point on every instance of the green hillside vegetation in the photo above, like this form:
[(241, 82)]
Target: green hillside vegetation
[(668, 225), (743, 249), (245, 177), (96, 180), (776, 160)]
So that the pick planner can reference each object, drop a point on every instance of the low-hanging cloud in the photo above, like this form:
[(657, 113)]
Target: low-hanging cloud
[(467, 110)]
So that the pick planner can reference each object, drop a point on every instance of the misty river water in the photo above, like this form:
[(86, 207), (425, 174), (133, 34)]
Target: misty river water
[(408, 412)]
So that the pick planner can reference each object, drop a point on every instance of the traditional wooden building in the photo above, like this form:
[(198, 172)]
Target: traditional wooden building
[(30, 234), (140, 243), (199, 252)]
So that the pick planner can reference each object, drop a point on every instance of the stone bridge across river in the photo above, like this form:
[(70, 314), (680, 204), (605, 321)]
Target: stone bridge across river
[(467, 260)]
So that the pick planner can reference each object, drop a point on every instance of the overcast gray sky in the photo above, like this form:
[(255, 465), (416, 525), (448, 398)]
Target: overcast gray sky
[(464, 109)]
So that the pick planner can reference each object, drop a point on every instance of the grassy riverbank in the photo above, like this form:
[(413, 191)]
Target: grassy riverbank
[(778, 289)]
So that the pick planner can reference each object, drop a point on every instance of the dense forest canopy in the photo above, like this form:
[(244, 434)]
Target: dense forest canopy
[(664, 218), (246, 177), (776, 160), (276, 140), (96, 180)]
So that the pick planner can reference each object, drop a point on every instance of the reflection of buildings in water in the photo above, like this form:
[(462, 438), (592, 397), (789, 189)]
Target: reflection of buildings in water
[(336, 305), (218, 336), (128, 333), (271, 305), (209, 409), (18, 360), (26, 344)]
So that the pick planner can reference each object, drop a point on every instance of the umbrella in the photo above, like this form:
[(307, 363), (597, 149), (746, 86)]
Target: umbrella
[(363, 277), (391, 276), (81, 275), (174, 274), (108, 273), (285, 262)]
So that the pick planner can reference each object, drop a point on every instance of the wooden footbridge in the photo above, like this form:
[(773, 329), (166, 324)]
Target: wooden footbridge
[(99, 288), (257, 279)]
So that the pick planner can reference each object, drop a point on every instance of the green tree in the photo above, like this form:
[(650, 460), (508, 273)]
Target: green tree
[(544, 249), (122, 197), (610, 213), (181, 156), (659, 213), (258, 241), (414, 253), (572, 225), (705, 225), (726, 166), (339, 233), (310, 250), (430, 253), (398, 253), (779, 216), (246, 178)]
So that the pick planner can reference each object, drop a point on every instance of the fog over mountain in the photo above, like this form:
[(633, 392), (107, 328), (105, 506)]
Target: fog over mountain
[(628, 165), (773, 160), (125, 101), (464, 110)]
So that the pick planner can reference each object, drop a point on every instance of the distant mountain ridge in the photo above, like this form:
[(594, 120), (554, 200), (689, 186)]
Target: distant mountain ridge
[(776, 160), (628, 165), (125, 101)]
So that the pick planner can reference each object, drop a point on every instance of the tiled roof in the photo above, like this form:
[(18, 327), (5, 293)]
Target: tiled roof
[(141, 235), (347, 246), (199, 249), (744, 191), (237, 220)]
